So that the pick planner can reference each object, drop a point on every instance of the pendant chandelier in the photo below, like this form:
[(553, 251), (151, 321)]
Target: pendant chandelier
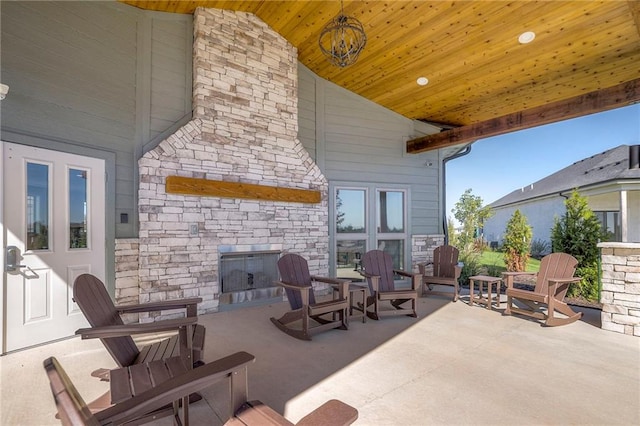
[(342, 39)]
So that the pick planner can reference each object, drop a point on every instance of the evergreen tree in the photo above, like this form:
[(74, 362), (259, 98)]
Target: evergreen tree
[(578, 233), (517, 242)]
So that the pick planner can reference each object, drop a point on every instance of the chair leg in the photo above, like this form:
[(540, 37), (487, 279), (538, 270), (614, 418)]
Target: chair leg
[(563, 308)]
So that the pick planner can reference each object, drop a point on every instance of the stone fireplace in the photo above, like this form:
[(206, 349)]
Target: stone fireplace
[(244, 129)]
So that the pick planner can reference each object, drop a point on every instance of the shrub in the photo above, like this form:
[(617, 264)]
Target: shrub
[(471, 260), (517, 242), (540, 248), (578, 233)]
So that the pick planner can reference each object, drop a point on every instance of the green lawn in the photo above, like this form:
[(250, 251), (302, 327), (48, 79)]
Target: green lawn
[(494, 261)]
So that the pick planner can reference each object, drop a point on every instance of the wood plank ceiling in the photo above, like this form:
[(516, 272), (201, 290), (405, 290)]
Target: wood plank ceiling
[(468, 50)]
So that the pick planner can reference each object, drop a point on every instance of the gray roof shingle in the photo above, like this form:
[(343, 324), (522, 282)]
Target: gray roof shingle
[(607, 166)]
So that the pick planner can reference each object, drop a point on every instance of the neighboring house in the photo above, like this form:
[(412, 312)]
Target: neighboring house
[(610, 181), (107, 101)]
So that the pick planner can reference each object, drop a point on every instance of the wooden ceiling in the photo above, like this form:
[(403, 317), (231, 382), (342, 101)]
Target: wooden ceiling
[(468, 50)]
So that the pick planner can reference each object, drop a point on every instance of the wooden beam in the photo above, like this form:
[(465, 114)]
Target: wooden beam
[(216, 188), (634, 9), (601, 100)]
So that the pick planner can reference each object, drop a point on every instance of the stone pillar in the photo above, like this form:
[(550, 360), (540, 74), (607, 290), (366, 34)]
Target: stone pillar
[(620, 295)]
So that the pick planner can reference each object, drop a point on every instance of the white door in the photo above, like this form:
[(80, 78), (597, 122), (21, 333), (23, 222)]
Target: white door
[(54, 218)]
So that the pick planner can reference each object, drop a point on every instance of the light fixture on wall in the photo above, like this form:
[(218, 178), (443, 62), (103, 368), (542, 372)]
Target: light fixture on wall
[(4, 89), (342, 39)]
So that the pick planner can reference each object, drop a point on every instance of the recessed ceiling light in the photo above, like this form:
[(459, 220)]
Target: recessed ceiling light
[(422, 81), (526, 37)]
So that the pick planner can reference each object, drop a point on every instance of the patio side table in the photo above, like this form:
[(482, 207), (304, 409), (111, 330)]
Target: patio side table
[(354, 289), (490, 281)]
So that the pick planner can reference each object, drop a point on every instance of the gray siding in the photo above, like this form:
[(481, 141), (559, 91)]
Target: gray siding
[(95, 75), (359, 141)]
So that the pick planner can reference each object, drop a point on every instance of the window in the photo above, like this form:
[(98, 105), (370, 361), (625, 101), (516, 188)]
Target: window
[(368, 218), (37, 206), (77, 208), (610, 221)]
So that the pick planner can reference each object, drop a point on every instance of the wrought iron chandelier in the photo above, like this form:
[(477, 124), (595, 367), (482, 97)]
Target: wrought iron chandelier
[(342, 39)]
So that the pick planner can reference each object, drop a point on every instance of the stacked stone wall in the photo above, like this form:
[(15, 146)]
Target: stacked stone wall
[(244, 130), (620, 295), (127, 266), (422, 247)]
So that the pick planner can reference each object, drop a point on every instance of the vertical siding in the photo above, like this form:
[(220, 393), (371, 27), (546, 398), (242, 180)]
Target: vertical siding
[(364, 142), (307, 110), (78, 76), (171, 90)]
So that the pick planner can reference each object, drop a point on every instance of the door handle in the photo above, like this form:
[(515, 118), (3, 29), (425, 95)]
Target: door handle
[(11, 259)]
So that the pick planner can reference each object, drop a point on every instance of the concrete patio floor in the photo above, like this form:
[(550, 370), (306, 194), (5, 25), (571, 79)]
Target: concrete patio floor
[(453, 365)]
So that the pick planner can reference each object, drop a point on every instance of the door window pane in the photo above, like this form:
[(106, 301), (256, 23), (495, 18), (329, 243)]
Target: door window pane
[(395, 248), (37, 206), (390, 205), (348, 254), (77, 208), (350, 211)]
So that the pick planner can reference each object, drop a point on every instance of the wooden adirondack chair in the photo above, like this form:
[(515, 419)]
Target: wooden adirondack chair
[(106, 324), (378, 270), (445, 271), (146, 405), (297, 282), (552, 282)]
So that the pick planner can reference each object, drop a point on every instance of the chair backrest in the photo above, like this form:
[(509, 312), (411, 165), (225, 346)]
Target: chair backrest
[(294, 270), (377, 262), (91, 296), (72, 409), (445, 259), (555, 265)]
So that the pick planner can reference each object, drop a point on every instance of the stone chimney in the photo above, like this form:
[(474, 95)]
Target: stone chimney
[(244, 129)]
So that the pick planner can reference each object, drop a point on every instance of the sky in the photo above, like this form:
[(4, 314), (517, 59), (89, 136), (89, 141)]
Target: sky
[(501, 164)]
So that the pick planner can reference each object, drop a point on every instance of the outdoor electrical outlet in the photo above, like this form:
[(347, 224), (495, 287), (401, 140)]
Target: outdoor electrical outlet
[(193, 230)]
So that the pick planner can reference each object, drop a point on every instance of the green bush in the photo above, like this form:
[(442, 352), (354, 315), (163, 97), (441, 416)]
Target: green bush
[(517, 242), (578, 233), (540, 248), (472, 266)]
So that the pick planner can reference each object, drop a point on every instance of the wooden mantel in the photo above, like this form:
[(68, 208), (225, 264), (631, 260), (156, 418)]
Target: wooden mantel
[(601, 100), (217, 188)]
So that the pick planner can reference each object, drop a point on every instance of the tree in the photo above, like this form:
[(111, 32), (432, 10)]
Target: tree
[(517, 242), (578, 233), (471, 214)]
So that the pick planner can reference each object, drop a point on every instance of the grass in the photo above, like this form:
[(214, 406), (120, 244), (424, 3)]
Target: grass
[(494, 262)]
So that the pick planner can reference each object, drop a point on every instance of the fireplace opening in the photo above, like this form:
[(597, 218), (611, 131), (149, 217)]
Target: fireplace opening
[(247, 273)]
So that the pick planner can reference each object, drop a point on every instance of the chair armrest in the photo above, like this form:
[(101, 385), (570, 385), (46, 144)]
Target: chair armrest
[(159, 306), (416, 279), (327, 280), (177, 387), (375, 280), (556, 285), (332, 412), (131, 329), (304, 291), (509, 277)]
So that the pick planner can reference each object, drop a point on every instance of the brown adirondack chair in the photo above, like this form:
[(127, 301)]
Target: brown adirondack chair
[(153, 399), (547, 298), (308, 317), (106, 324), (378, 270), (445, 271)]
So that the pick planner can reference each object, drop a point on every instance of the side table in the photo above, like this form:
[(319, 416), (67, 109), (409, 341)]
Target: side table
[(490, 281), (354, 289)]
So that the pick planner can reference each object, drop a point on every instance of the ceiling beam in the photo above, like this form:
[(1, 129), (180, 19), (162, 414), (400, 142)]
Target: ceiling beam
[(634, 8), (601, 100)]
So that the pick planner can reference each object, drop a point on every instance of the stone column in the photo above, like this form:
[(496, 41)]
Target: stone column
[(620, 295)]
